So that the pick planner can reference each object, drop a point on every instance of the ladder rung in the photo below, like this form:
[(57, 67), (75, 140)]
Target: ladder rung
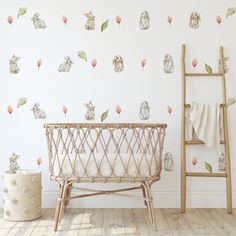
[(203, 74), (203, 174), (189, 105), (195, 142)]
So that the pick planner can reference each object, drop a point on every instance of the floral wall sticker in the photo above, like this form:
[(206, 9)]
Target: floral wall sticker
[(169, 20), (194, 63), (169, 110), (22, 101), (90, 23), (144, 21), (208, 68), (64, 20), (231, 101), (39, 161), (64, 109), (94, 63), (22, 11), (13, 66), (194, 21), (65, 66), (10, 19), (219, 19), (118, 20), (168, 64), (118, 110), (10, 109), (90, 112), (168, 162), (208, 167), (194, 161), (221, 163), (118, 63), (231, 11), (82, 55), (143, 63), (144, 111), (38, 23), (226, 69), (39, 63), (104, 115), (104, 25), (38, 112)]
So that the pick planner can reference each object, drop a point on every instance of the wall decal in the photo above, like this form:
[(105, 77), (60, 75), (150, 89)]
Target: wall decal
[(90, 23), (39, 161), (118, 20), (10, 109), (168, 64), (143, 63), (64, 110), (13, 67), (104, 25), (226, 69), (38, 113), (39, 63), (231, 101), (22, 101), (194, 161), (208, 68), (169, 110), (169, 20), (218, 19), (22, 11), (104, 115), (118, 63), (208, 167), (168, 162), (90, 113), (118, 109), (194, 63), (144, 111), (144, 22), (38, 23), (10, 19), (13, 166), (231, 11), (94, 63), (82, 55), (221, 163), (64, 19), (65, 66), (194, 20)]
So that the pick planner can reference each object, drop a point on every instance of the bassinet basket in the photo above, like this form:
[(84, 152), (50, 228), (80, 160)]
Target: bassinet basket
[(104, 153)]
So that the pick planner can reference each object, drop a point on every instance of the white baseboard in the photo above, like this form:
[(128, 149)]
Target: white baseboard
[(162, 199)]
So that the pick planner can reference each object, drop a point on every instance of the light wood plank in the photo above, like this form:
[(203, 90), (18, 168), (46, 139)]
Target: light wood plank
[(139, 216), (131, 228), (96, 221)]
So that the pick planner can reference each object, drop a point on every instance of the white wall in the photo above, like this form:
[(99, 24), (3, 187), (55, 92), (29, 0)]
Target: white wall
[(23, 134)]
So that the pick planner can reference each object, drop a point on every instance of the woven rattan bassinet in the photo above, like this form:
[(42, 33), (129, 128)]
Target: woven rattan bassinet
[(104, 153)]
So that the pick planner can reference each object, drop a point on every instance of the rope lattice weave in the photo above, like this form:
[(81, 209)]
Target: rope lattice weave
[(105, 151)]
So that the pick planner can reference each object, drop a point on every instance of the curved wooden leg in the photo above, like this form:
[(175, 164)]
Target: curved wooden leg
[(68, 195)]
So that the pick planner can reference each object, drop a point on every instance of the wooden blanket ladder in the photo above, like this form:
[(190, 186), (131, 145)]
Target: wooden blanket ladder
[(185, 143)]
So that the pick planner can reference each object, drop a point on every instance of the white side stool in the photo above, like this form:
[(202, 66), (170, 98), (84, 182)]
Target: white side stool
[(22, 195)]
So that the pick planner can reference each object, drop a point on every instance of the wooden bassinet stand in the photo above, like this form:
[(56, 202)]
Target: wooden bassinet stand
[(105, 153)]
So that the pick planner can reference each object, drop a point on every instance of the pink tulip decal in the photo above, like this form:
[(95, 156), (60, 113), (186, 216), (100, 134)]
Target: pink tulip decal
[(39, 161), (10, 19), (194, 63), (118, 109), (143, 63), (169, 110), (39, 63), (9, 109), (94, 63), (194, 161), (64, 109), (218, 19), (64, 19), (169, 19), (118, 20)]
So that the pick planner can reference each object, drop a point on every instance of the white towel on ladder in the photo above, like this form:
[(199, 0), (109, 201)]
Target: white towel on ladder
[(205, 119)]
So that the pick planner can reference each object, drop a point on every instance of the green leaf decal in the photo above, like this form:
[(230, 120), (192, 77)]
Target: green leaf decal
[(231, 101), (82, 55), (21, 102), (208, 167), (104, 115), (21, 11), (208, 68), (230, 11), (104, 25)]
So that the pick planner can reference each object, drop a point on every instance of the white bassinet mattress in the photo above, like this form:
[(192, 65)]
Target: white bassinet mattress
[(149, 166)]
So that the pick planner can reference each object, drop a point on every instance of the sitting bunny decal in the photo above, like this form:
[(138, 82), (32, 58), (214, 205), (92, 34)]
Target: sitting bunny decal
[(118, 63), (144, 112), (90, 24), (38, 23), (144, 21), (194, 20), (38, 113), (13, 67), (90, 113), (66, 66), (226, 68), (168, 64), (13, 167)]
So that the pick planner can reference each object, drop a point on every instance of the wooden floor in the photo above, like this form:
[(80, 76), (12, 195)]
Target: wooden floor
[(123, 222)]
